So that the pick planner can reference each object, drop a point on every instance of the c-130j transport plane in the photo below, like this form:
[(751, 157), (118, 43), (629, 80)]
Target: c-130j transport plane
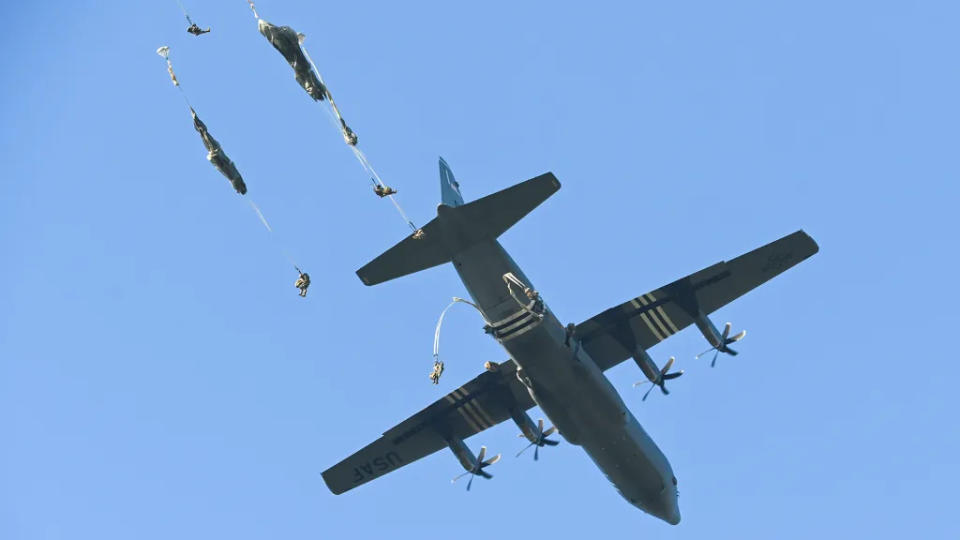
[(557, 368)]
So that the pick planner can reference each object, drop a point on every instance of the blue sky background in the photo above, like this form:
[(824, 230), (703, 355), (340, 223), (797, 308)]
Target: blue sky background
[(160, 378)]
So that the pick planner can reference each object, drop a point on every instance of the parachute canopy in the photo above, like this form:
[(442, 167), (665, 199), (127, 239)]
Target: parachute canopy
[(287, 41), (217, 157)]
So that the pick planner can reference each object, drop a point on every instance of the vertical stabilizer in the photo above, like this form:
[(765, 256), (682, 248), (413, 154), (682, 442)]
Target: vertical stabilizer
[(449, 188)]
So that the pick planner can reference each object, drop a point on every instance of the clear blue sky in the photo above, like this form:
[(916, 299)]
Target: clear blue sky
[(160, 378)]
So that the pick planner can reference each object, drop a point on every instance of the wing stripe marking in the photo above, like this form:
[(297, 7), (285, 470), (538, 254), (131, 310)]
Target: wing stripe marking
[(464, 413), (663, 314), (477, 419), (653, 315), (635, 303), (656, 334), (486, 417), (481, 414), (474, 409)]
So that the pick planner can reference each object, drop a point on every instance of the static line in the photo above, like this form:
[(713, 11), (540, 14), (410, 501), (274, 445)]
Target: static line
[(279, 244), (356, 151), (259, 214)]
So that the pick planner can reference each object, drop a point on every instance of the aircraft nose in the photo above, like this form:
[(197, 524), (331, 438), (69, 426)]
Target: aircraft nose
[(670, 507), (673, 517)]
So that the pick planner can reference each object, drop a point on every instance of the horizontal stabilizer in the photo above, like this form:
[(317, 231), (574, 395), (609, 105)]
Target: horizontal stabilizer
[(458, 228)]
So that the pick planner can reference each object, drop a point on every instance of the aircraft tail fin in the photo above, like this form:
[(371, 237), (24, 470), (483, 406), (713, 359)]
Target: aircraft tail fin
[(458, 227), (449, 188)]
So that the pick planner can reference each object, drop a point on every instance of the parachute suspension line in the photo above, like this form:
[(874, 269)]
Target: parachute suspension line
[(376, 177), (437, 363), (364, 162), (165, 53), (259, 214), (185, 14), (266, 224)]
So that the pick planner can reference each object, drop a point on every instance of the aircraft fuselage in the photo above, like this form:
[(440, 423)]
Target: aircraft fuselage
[(568, 386)]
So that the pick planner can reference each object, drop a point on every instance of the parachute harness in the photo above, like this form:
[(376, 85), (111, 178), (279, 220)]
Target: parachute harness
[(437, 363), (351, 138)]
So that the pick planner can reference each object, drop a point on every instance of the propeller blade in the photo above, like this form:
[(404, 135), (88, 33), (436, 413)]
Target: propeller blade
[(663, 388), (715, 355), (483, 451), (697, 357), (638, 383), (726, 331), (738, 337), (648, 393), (525, 448), (470, 483), (485, 474), (536, 453), (548, 442), (667, 366), (459, 476), (491, 461), (669, 376), (731, 352), (540, 426), (550, 431)]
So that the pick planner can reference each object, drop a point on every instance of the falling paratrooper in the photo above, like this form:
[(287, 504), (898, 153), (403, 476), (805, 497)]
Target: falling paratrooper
[(287, 41), (196, 30), (382, 190), (303, 282), (217, 157)]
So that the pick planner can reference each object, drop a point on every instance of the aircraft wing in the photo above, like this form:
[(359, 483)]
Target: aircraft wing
[(470, 409), (649, 319)]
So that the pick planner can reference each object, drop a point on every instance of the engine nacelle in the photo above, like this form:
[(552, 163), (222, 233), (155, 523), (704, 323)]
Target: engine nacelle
[(463, 453), (709, 330), (647, 365), (526, 424)]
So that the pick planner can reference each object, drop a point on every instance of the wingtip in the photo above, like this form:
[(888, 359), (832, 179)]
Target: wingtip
[(814, 247), (363, 278), (330, 486)]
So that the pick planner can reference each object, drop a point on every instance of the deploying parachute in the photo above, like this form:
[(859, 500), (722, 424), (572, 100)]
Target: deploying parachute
[(287, 41), (290, 44), (215, 153), (217, 157)]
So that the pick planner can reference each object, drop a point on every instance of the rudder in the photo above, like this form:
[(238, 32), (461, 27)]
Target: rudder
[(449, 188)]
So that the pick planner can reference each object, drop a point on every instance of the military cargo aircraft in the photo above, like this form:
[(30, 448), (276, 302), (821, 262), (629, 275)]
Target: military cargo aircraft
[(558, 368)]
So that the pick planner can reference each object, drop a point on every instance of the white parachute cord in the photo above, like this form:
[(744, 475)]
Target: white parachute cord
[(313, 66), (164, 52), (373, 173), (509, 278), (259, 214), (279, 245), (436, 333), (185, 14), (356, 151)]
